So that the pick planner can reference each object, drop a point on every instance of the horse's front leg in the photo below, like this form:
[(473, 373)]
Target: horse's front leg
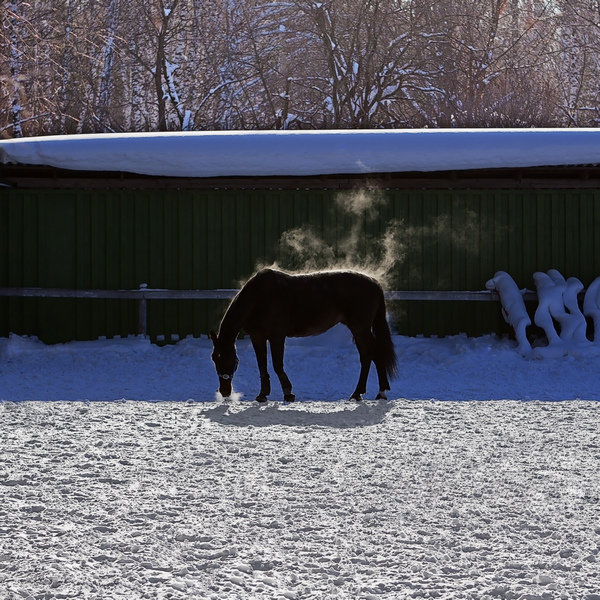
[(260, 349), (277, 349)]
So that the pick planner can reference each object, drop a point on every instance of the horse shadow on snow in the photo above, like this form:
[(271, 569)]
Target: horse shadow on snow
[(349, 416)]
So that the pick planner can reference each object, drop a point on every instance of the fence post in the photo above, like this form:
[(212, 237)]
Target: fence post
[(142, 313)]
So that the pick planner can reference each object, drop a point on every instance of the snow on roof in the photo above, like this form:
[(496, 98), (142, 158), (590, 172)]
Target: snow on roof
[(293, 153)]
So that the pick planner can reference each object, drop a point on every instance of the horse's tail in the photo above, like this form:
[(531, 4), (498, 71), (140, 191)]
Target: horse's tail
[(384, 346)]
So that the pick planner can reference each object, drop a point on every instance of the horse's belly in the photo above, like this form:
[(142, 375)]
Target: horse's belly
[(308, 332), (308, 328)]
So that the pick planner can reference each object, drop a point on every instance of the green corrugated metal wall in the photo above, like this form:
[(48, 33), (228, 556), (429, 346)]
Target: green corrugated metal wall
[(196, 239)]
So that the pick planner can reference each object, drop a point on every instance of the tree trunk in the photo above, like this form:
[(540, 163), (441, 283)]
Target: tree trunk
[(15, 69)]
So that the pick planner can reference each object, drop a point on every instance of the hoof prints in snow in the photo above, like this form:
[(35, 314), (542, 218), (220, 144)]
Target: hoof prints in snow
[(447, 500)]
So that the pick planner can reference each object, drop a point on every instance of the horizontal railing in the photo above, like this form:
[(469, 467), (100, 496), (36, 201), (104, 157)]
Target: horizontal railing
[(226, 294), (144, 293)]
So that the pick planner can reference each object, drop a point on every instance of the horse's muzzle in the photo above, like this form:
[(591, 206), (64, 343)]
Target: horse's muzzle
[(225, 387)]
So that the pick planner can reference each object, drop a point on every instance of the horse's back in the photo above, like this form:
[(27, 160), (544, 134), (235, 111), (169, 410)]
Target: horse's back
[(319, 284), (308, 304)]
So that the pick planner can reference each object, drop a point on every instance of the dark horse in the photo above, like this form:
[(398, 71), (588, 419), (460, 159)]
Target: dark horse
[(273, 305)]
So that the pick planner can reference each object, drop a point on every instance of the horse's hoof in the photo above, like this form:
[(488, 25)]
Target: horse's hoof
[(289, 397), (261, 398), (357, 397), (381, 396)]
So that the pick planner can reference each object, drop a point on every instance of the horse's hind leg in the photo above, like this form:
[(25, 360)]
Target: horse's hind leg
[(384, 383), (277, 349), (260, 349), (364, 342)]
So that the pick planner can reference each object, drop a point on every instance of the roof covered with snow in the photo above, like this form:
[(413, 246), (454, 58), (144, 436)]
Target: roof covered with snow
[(297, 153)]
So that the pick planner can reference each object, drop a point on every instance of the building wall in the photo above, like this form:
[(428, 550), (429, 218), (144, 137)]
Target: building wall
[(207, 239)]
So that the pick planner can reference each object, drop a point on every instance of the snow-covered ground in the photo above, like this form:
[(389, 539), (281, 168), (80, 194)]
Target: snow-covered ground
[(322, 368), (436, 493)]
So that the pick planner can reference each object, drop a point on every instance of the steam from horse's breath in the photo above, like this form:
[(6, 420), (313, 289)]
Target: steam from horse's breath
[(303, 249), (361, 202), (234, 396)]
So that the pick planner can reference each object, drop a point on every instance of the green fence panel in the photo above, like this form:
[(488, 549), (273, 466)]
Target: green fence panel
[(206, 239)]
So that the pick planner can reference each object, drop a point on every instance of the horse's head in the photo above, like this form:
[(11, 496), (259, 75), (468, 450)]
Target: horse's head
[(226, 362)]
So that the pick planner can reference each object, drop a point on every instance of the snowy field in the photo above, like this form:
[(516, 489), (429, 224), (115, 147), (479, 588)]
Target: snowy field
[(176, 494)]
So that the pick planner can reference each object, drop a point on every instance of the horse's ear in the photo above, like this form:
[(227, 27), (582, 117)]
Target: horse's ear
[(213, 336)]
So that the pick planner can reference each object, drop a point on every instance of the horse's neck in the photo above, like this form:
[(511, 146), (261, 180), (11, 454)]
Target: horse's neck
[(234, 317)]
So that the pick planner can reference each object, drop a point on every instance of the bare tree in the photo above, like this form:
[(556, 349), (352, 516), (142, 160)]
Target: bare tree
[(492, 56), (578, 61), (15, 38), (109, 65)]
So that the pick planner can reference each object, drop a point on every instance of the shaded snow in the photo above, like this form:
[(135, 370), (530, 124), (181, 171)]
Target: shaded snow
[(248, 153), (513, 307), (321, 368), (591, 306)]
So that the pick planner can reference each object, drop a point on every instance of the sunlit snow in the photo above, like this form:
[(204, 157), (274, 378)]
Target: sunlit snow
[(248, 153)]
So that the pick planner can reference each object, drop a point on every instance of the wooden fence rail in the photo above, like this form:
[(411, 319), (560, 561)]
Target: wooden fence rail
[(143, 294)]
